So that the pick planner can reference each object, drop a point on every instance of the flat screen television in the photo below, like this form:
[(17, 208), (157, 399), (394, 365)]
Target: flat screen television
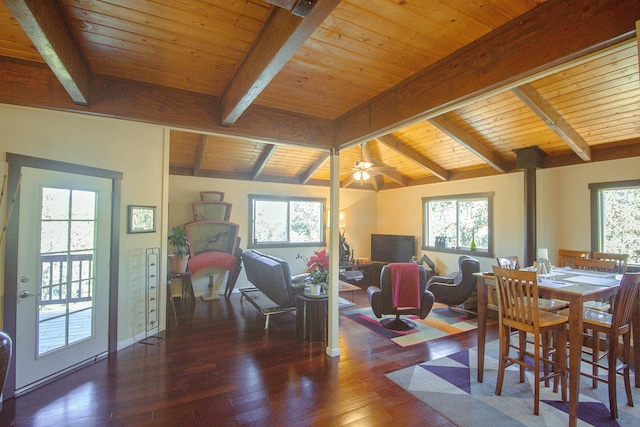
[(392, 248)]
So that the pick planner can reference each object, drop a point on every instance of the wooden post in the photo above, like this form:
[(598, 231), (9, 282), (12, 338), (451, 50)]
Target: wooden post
[(529, 159)]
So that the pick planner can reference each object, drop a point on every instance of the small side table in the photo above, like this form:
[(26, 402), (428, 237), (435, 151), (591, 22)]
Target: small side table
[(312, 318), (187, 285)]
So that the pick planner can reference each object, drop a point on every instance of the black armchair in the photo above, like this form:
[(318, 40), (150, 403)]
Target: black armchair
[(456, 290), (381, 300)]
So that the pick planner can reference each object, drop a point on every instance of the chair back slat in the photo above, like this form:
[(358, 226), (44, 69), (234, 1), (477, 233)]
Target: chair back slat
[(566, 257), (595, 265), (626, 300), (619, 259), (517, 297)]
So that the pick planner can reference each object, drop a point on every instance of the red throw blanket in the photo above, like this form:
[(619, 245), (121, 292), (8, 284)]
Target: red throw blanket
[(405, 285)]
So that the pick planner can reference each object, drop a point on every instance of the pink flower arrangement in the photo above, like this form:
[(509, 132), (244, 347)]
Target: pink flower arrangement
[(319, 266), (319, 260)]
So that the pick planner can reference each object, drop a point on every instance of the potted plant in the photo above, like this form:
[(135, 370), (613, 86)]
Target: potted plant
[(319, 267), (180, 255)]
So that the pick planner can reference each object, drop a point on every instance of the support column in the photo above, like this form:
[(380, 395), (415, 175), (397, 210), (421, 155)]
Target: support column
[(529, 159), (333, 349)]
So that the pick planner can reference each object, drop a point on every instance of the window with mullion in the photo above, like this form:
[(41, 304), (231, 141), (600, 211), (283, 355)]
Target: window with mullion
[(459, 224), (286, 221)]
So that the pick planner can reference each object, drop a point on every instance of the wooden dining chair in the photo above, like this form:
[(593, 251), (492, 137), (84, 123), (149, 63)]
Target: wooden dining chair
[(566, 257), (518, 309), (613, 326), (619, 259), (596, 265), (547, 304)]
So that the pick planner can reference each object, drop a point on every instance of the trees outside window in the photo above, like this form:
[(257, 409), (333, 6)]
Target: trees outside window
[(282, 221), (615, 218), (461, 224)]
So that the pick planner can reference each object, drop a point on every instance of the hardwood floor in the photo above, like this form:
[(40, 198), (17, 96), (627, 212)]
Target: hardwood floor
[(219, 367)]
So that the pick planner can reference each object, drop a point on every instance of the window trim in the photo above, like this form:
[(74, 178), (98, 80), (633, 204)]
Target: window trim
[(594, 188), (460, 197), (268, 198)]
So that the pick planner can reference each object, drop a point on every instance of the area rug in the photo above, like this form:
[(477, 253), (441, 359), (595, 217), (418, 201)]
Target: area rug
[(441, 322), (449, 385)]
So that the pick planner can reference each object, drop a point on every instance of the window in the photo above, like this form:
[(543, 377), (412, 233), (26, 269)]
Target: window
[(286, 221), (615, 218), (459, 224)]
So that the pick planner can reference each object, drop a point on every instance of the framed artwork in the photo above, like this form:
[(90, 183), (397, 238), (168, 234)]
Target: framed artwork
[(142, 219)]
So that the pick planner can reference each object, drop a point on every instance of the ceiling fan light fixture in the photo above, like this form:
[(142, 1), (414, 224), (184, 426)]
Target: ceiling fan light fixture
[(361, 164), (361, 175)]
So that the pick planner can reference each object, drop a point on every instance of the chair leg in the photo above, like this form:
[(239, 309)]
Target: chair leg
[(502, 359), (561, 360), (536, 375), (545, 355), (522, 344), (612, 374), (595, 356), (626, 357)]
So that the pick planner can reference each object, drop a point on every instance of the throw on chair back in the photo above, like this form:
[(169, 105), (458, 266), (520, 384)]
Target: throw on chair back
[(402, 292)]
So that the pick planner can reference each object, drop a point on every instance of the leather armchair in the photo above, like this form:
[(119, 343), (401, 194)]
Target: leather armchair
[(380, 299), (456, 290)]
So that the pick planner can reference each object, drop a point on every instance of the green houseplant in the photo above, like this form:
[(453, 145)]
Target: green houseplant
[(180, 255)]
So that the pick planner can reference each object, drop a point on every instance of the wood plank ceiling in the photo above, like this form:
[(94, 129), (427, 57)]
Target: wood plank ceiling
[(262, 90)]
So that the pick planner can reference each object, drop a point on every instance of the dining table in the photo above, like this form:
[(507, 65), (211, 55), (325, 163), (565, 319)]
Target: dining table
[(571, 285)]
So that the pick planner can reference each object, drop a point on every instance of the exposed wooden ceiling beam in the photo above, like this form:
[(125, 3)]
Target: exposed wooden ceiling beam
[(317, 164), (553, 119), (33, 85), (347, 181), (278, 41), (463, 138), (262, 161), (297, 7), (396, 176), (560, 30), (395, 144), (378, 182), (47, 29), (202, 146)]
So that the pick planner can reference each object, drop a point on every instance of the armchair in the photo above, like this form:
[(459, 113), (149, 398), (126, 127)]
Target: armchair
[(382, 299), (456, 290)]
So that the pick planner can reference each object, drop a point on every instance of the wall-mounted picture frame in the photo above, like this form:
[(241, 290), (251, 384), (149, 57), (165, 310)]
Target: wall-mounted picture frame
[(142, 219)]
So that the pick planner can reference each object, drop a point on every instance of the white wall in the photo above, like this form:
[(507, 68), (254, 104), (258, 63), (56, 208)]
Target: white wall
[(564, 204), (139, 151)]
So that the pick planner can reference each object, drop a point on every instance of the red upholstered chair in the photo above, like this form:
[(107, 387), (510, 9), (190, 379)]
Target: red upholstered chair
[(402, 291), (214, 244)]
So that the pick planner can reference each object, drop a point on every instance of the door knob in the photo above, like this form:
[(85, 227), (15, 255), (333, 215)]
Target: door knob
[(27, 294)]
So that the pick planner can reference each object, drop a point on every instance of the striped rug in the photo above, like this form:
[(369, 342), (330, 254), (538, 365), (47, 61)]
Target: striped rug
[(441, 322)]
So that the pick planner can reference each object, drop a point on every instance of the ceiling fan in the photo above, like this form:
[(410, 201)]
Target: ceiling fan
[(363, 169)]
